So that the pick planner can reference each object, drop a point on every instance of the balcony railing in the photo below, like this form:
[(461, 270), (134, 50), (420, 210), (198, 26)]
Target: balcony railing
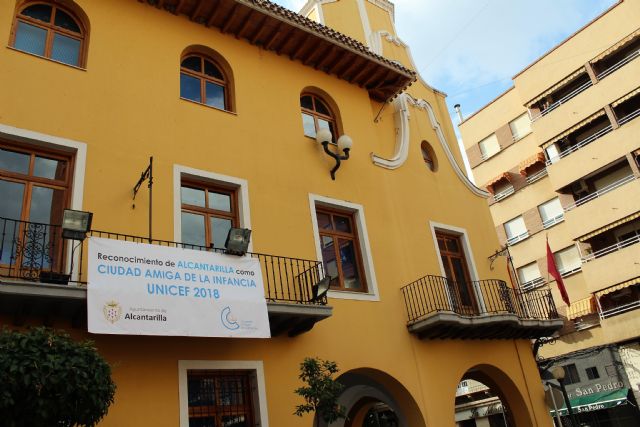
[(435, 294), (601, 192), (610, 249), (504, 193), (629, 117), (536, 176), (580, 144), (37, 253), (553, 221), (562, 100), (604, 314), (532, 284), (618, 65), (515, 239)]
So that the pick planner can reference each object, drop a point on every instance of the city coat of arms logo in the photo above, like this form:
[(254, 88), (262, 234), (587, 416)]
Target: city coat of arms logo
[(112, 311)]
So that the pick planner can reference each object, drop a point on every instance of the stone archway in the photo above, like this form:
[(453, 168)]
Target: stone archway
[(513, 405), (370, 393)]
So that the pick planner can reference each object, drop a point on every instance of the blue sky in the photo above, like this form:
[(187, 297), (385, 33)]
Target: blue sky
[(470, 49)]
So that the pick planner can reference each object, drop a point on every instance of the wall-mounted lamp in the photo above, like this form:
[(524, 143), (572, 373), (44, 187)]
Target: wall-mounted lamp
[(76, 224), (237, 241), (324, 137)]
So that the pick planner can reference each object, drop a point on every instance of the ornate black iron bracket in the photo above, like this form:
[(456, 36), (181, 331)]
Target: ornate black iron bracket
[(337, 157)]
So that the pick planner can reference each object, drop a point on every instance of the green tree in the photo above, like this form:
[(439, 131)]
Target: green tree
[(47, 379), (321, 391)]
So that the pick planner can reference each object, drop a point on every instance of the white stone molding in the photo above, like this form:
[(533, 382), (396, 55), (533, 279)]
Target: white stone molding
[(401, 152)]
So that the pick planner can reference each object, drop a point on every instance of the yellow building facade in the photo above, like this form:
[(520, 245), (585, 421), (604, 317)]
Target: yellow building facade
[(559, 152), (229, 98)]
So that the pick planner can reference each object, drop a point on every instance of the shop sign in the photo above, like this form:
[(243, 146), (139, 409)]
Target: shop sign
[(597, 388), (143, 289)]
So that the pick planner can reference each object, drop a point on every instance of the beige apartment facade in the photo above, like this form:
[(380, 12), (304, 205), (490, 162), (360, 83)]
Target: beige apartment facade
[(559, 152)]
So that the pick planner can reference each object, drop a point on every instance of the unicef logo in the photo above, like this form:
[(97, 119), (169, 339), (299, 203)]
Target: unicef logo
[(229, 321), (112, 311)]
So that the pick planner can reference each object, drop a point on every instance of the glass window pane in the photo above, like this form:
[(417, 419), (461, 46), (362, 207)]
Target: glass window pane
[(46, 205), (30, 38), (343, 223), (65, 49), (220, 201), (461, 281), (323, 124), (324, 221), (11, 194), (306, 102), (441, 244), (350, 272), (219, 230), (309, 125), (41, 12), (193, 229), (63, 20), (49, 168), (192, 196), (192, 63), (322, 108), (329, 258), (452, 245), (234, 421), (190, 88), (14, 162), (211, 70), (215, 95)]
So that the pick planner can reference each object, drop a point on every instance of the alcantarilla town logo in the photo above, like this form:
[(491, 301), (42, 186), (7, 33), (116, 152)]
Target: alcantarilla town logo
[(112, 311)]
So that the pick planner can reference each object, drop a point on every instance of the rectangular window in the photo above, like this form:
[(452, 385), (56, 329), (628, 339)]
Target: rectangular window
[(592, 373), (340, 247), (571, 374), (568, 260), (529, 276), (220, 398), (457, 272), (208, 212), (489, 146), (34, 188), (516, 230), (520, 127), (553, 154), (551, 212)]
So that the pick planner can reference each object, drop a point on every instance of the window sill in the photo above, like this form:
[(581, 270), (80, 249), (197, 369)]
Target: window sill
[(46, 59), (233, 113), (357, 296)]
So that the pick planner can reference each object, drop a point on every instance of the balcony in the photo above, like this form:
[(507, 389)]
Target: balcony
[(561, 93), (437, 309), (619, 299), (44, 276), (612, 264)]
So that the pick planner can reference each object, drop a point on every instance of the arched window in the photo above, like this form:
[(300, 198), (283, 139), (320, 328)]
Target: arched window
[(203, 81), (316, 115), (49, 31), (429, 156)]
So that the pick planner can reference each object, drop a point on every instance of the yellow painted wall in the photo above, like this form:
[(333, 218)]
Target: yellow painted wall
[(125, 106)]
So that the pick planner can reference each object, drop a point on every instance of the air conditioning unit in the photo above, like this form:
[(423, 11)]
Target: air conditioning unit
[(579, 187)]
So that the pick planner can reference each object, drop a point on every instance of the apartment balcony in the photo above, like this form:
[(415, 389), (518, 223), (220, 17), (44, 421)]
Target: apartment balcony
[(603, 207), (613, 264), (44, 276), (436, 308)]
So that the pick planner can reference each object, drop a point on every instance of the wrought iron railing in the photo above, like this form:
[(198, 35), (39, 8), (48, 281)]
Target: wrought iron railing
[(436, 294), (37, 252)]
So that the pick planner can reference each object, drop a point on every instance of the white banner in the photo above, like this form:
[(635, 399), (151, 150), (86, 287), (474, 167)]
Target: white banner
[(142, 289)]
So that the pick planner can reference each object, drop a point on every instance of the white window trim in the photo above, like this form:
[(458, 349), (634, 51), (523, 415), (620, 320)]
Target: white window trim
[(242, 185), (262, 417), (468, 254), (77, 148), (363, 240)]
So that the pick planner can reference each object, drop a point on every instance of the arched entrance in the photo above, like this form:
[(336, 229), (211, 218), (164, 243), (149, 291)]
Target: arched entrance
[(373, 398), (487, 397)]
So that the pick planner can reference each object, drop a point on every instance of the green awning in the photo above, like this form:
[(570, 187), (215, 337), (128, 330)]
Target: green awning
[(595, 402)]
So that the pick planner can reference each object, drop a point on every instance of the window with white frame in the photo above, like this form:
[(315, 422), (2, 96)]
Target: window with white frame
[(520, 127), (516, 230), (568, 260), (342, 243), (551, 212), (529, 276), (553, 154), (489, 146), (222, 393)]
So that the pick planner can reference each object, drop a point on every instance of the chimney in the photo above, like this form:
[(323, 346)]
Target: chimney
[(457, 108)]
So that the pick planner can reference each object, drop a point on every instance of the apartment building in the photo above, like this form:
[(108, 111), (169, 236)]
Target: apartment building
[(560, 154), (179, 124)]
